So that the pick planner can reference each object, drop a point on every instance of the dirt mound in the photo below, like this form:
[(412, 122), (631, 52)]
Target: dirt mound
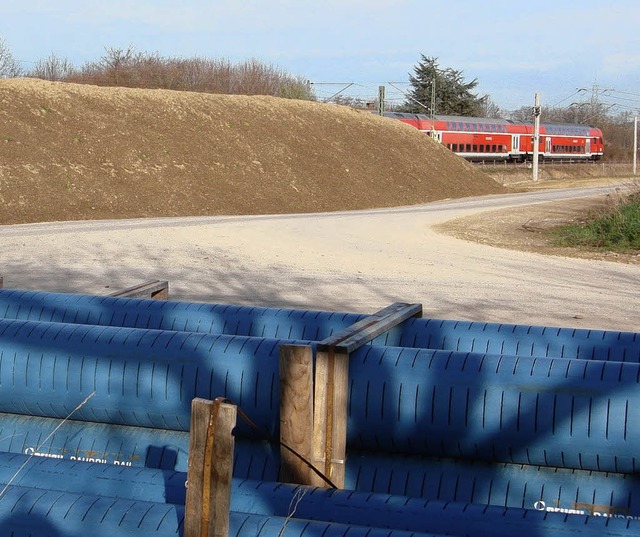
[(72, 152)]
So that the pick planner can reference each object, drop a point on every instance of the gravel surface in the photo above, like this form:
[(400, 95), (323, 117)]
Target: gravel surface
[(359, 261)]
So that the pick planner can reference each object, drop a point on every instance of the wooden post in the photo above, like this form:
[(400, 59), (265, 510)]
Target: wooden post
[(296, 412), (1, 282), (210, 468), (332, 383), (330, 416), (156, 289)]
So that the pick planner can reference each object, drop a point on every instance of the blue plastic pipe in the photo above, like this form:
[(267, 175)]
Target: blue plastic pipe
[(116, 448), (463, 336), (444, 480), (314, 512), (27, 512), (517, 340), (123, 446), (539, 411), (169, 315)]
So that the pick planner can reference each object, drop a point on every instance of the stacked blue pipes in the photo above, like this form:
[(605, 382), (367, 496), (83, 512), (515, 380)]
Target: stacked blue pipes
[(454, 427)]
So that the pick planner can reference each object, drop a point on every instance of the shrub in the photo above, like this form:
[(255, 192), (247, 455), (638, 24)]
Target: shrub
[(616, 230)]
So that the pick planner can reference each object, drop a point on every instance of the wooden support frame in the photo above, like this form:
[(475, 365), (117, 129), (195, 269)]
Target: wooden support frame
[(156, 289), (313, 405), (331, 386), (211, 445), (362, 332), (296, 412)]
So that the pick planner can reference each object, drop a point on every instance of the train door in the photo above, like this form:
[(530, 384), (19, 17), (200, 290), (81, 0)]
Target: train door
[(587, 147), (547, 145), (515, 146)]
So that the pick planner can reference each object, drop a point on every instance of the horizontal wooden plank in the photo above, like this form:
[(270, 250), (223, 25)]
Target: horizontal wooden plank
[(364, 331), (158, 289)]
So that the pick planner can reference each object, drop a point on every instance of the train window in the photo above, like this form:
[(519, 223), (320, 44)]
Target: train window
[(468, 148), (454, 148), (475, 148), (481, 148), (494, 148)]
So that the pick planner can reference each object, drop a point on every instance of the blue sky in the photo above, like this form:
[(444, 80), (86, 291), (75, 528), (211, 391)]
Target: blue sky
[(513, 48)]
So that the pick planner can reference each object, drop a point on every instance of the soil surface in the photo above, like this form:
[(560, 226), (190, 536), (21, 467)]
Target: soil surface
[(80, 152), (529, 228)]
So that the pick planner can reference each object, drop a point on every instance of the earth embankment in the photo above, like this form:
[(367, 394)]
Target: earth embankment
[(80, 152)]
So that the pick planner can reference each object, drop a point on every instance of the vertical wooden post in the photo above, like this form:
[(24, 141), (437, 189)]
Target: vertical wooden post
[(296, 412), (332, 383), (210, 468), (330, 415), (1, 282)]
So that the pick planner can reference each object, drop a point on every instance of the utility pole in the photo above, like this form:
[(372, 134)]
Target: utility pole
[(433, 99), (381, 99), (536, 134), (635, 144)]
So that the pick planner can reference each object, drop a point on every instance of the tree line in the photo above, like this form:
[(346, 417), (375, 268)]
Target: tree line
[(434, 89), (132, 69)]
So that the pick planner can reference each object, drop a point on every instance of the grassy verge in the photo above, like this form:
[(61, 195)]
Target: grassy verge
[(616, 229)]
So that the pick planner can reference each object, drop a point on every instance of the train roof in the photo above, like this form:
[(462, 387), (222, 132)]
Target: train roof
[(459, 119), (567, 129)]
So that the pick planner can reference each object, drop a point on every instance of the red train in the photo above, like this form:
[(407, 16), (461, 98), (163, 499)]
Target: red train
[(478, 139)]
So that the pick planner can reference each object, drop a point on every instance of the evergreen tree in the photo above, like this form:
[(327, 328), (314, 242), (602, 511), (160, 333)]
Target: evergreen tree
[(451, 96)]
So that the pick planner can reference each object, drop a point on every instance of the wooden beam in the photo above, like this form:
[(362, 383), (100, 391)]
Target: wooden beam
[(296, 412), (331, 385), (362, 332), (1, 282), (157, 289), (330, 416), (210, 468)]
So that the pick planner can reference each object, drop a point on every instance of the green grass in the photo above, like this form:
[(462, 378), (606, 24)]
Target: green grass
[(618, 229)]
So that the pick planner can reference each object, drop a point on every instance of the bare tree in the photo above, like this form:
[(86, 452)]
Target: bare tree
[(52, 68), (9, 67), (490, 109), (126, 67)]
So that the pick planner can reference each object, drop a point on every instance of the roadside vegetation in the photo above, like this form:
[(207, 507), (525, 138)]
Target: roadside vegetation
[(615, 228), (132, 69)]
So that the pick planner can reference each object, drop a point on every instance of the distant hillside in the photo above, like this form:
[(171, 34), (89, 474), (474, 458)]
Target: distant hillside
[(72, 152)]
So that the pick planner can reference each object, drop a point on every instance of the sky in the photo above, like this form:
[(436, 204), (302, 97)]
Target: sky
[(569, 51)]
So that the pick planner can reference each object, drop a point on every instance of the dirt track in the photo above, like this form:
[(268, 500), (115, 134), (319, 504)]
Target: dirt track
[(343, 261), (526, 228)]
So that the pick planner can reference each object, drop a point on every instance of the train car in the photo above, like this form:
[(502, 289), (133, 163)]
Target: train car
[(488, 139)]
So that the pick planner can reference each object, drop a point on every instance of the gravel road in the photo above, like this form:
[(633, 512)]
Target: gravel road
[(359, 261)]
